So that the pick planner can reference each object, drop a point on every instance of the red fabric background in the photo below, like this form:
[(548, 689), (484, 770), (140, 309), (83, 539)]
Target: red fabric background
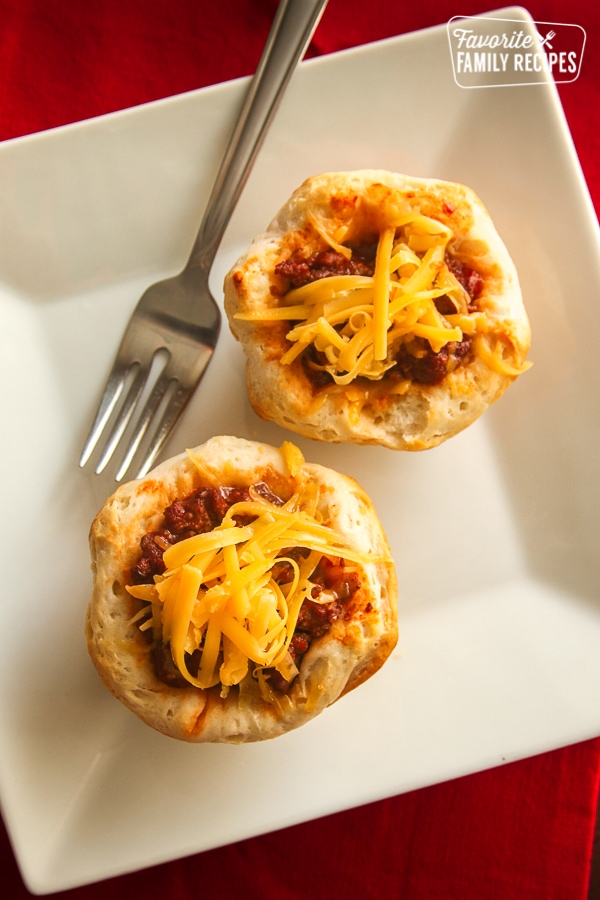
[(61, 61), (523, 831)]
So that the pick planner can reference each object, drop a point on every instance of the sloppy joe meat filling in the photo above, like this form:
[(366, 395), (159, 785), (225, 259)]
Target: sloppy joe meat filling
[(201, 512), (415, 361), (300, 271)]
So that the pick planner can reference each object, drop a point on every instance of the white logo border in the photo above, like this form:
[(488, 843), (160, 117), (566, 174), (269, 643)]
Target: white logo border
[(549, 79)]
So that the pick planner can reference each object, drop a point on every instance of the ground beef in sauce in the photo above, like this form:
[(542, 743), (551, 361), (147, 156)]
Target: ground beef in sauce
[(196, 514), (467, 277), (199, 513), (430, 367), (421, 367), (300, 270)]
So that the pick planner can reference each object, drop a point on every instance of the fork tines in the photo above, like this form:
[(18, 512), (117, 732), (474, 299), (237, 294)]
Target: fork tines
[(159, 395)]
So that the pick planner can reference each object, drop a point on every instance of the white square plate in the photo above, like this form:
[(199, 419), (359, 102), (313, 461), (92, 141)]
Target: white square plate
[(494, 533)]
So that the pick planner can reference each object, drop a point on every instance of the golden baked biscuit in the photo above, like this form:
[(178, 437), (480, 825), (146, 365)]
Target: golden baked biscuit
[(378, 309), (238, 591)]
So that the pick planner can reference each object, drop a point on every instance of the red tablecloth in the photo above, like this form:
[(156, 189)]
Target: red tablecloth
[(522, 831)]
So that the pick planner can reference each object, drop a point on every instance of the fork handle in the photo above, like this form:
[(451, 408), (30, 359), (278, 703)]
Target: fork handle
[(291, 31)]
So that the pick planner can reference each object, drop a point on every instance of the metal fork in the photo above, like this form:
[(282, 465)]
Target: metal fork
[(174, 328)]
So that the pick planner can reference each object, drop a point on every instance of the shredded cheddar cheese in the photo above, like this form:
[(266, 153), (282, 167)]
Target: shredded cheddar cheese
[(358, 322), (220, 595)]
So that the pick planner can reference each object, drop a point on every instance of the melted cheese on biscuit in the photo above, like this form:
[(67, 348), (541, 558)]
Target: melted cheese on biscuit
[(358, 322), (220, 594)]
